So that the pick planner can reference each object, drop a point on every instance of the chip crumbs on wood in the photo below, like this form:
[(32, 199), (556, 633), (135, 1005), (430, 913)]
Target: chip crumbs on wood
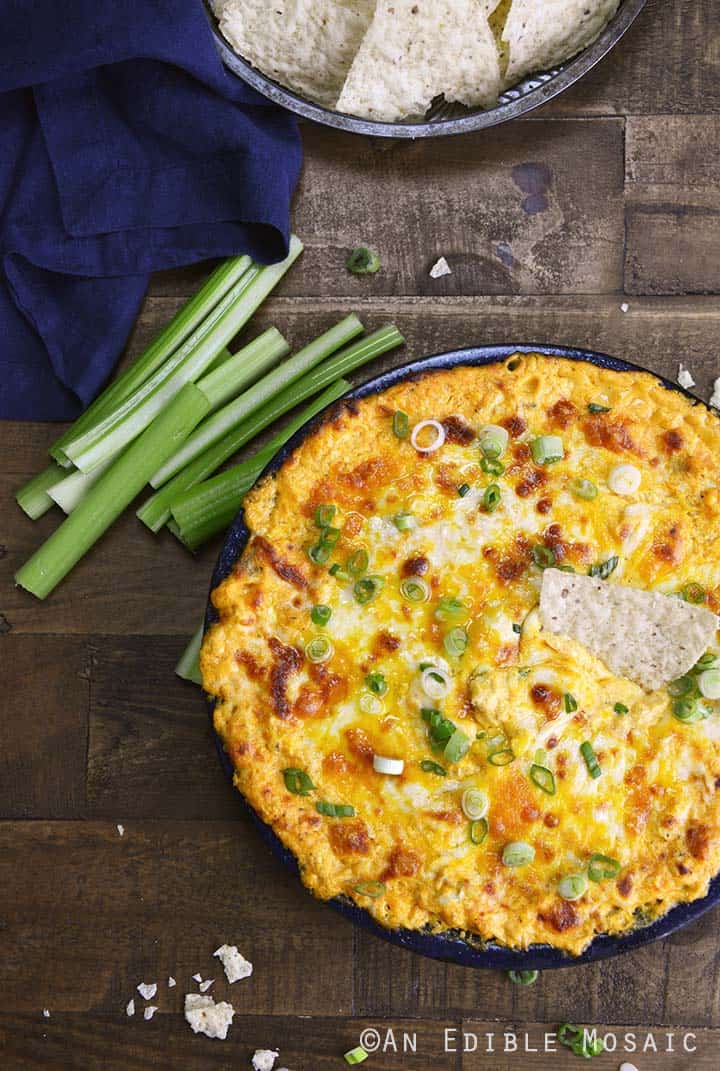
[(684, 377), (440, 268), (149, 1011), (235, 964), (130, 1009), (715, 397), (171, 982), (264, 1059), (207, 1017), (147, 990)]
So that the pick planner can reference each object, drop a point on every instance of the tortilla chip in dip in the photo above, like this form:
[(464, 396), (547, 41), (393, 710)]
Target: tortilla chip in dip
[(416, 50), (541, 34), (307, 45), (646, 636)]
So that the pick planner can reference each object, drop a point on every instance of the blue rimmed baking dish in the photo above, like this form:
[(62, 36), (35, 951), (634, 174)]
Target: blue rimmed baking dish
[(450, 946)]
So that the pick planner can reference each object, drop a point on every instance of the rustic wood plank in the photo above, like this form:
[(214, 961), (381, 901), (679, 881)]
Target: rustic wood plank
[(667, 63), (84, 1043), (673, 212), (87, 914), (43, 729), (388, 979), (150, 747), (134, 583)]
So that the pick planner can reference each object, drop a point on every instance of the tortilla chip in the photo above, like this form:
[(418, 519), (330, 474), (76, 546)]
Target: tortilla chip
[(645, 636), (542, 34), (307, 45), (416, 50)]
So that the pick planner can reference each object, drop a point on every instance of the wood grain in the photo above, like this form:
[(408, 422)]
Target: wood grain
[(673, 212)]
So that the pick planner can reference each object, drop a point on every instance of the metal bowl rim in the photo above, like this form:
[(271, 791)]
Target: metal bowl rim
[(571, 72), (447, 946)]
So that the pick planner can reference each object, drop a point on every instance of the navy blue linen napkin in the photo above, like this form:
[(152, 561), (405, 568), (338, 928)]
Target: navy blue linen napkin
[(125, 148)]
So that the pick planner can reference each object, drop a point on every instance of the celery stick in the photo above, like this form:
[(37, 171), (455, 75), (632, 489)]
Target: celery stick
[(217, 425), (33, 497), (115, 489), (156, 511), (189, 665), (68, 493), (184, 366), (177, 330), (248, 364), (209, 507)]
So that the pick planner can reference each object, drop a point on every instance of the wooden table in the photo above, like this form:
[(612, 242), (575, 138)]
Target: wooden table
[(96, 730)]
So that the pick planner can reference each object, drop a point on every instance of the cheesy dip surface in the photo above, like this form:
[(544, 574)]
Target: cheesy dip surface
[(385, 690)]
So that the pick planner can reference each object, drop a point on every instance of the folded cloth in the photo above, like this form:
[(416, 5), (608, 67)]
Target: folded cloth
[(126, 147)]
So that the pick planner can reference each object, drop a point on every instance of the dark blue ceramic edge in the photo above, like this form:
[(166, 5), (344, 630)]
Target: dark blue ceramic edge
[(570, 73), (444, 946)]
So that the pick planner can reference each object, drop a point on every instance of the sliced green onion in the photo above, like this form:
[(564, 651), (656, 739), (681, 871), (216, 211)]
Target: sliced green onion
[(370, 704), (373, 889), (367, 588), (693, 593), (457, 746), (261, 393), (189, 665), (335, 810), (340, 574), (190, 316), (435, 682), (320, 614), (573, 887), (493, 468), (156, 511), (584, 489), (688, 710), (540, 757), (709, 683), (570, 703), (357, 563), (358, 1055), (376, 683), (478, 830), (362, 261), (706, 661), (503, 756), (681, 686), (603, 867), (464, 489), (297, 781), (324, 516), (428, 766), (404, 522), (319, 649), (543, 778), (620, 708), (448, 608), (524, 978), (604, 569), (400, 424), (475, 803), (329, 536), (492, 498), (415, 589), (591, 759), (518, 853), (33, 497), (544, 557), (547, 449), (113, 492), (384, 764), (319, 553), (455, 642), (593, 407), (493, 441)]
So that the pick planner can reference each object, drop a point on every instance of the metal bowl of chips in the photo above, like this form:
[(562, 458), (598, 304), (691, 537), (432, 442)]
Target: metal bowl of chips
[(452, 946), (443, 119)]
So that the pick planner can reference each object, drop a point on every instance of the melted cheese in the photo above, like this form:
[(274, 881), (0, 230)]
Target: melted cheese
[(655, 807)]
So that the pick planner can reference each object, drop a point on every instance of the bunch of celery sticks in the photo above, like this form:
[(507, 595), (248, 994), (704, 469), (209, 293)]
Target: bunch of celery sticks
[(180, 411)]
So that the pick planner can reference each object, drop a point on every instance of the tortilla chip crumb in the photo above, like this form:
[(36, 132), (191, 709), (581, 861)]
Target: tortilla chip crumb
[(440, 268), (624, 307), (207, 1017), (121, 830), (147, 990), (684, 377), (197, 978), (235, 964), (149, 1011), (171, 982), (130, 1009), (204, 986), (264, 1059), (715, 397), (46, 1013)]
